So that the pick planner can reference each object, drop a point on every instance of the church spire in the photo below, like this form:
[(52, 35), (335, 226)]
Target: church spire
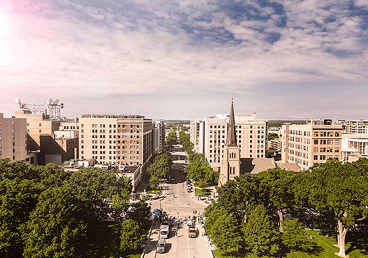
[(231, 133)]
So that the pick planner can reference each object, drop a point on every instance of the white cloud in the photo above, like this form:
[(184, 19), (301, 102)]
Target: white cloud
[(153, 53)]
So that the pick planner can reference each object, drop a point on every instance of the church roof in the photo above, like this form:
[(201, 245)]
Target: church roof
[(256, 165)]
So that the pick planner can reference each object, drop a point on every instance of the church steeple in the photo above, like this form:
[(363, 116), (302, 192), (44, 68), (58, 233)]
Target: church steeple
[(231, 132)]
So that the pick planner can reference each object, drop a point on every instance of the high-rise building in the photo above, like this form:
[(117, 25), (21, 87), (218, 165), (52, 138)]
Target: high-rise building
[(311, 143), (208, 136), (158, 135), (116, 139)]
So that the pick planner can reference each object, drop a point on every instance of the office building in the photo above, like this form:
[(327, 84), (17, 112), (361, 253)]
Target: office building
[(311, 143), (116, 139)]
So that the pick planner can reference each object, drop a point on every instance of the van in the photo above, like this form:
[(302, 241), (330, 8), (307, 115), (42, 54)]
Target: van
[(164, 231)]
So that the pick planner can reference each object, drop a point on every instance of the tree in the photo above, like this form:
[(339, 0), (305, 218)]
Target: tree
[(17, 199), (140, 212), (57, 225), (223, 231), (341, 189), (18, 169), (260, 237), (159, 168), (295, 237), (242, 195), (171, 138), (94, 185), (281, 195), (130, 235)]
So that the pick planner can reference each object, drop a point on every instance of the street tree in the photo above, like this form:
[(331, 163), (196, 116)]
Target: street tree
[(260, 236), (130, 235), (171, 138), (224, 232)]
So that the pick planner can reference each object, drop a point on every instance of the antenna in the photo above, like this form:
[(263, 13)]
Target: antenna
[(54, 108)]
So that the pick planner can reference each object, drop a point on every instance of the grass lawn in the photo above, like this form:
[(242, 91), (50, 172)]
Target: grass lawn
[(103, 242), (154, 191), (204, 193), (356, 246)]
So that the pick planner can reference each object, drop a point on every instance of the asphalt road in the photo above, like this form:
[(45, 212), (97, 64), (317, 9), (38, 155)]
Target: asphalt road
[(177, 202)]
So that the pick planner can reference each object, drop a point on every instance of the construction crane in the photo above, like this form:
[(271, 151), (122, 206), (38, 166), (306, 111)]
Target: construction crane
[(305, 117)]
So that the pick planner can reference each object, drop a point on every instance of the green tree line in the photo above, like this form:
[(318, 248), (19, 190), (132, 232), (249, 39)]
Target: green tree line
[(159, 168), (248, 215), (48, 212)]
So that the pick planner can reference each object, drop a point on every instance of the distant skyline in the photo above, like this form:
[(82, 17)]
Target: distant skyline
[(186, 59)]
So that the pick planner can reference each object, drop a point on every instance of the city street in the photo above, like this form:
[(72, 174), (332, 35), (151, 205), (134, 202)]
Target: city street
[(178, 203)]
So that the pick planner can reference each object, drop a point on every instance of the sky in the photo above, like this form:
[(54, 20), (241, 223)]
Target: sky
[(186, 59)]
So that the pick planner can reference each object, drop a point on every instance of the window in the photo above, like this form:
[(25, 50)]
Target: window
[(315, 157)]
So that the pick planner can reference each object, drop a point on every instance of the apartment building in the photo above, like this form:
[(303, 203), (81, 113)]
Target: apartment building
[(116, 139), (209, 137), (275, 143), (311, 143), (356, 126), (197, 135), (158, 135)]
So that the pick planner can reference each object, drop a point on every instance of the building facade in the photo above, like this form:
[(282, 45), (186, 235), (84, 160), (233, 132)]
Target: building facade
[(311, 143), (251, 136), (356, 126), (13, 139), (158, 135), (116, 139)]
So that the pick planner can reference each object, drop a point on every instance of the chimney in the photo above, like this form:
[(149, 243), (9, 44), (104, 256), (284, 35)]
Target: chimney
[(254, 116)]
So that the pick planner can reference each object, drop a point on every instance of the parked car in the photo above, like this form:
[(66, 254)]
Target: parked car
[(161, 246)]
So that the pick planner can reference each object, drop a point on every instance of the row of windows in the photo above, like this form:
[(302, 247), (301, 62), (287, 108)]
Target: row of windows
[(299, 147), (236, 126), (326, 142), (326, 134), (326, 157), (299, 161), (326, 149), (298, 132), (110, 126), (299, 154)]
